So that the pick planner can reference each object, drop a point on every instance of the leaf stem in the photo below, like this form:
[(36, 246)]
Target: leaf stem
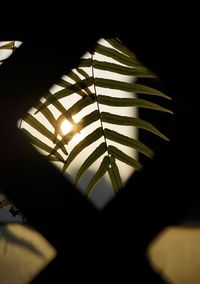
[(107, 149), (95, 92)]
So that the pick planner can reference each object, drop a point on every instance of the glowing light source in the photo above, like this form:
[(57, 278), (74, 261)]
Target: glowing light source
[(66, 127)]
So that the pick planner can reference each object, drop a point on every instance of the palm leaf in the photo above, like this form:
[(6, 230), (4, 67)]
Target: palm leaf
[(83, 73), (73, 76), (91, 138), (32, 121), (131, 121), (89, 119), (128, 102), (114, 175), (114, 58), (38, 126), (118, 154), (65, 84), (127, 141), (73, 88), (81, 104), (97, 153), (116, 55), (117, 44), (68, 114), (86, 121), (76, 78), (128, 87), (55, 159), (10, 45), (57, 105), (43, 145), (49, 116), (66, 138), (98, 175), (85, 62), (124, 70)]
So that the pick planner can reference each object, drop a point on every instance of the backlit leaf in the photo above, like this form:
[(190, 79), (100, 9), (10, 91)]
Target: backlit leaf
[(127, 141), (127, 102), (32, 121), (115, 59), (116, 55), (74, 88), (42, 145), (131, 121), (128, 87), (98, 175), (88, 140), (114, 175), (124, 70), (10, 45), (98, 152), (119, 155)]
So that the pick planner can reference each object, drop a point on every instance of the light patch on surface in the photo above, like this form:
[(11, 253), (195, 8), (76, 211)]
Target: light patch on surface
[(175, 254), (23, 252)]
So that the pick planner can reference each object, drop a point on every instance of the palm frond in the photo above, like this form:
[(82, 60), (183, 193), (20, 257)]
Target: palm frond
[(113, 58), (114, 175), (10, 45), (98, 152), (7, 48), (104, 166), (91, 138), (131, 121), (127, 141), (127, 102), (128, 87), (71, 89)]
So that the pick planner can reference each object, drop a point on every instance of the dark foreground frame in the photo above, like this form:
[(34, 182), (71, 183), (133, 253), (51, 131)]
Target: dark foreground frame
[(109, 244)]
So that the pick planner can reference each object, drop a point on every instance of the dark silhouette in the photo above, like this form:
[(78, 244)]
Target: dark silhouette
[(108, 244)]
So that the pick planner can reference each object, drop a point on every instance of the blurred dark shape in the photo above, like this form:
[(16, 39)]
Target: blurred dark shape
[(14, 211), (107, 245)]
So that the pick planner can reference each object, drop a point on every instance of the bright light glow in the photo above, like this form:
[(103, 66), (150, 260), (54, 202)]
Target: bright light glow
[(66, 127), (76, 118)]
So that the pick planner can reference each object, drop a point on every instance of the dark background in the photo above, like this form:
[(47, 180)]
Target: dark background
[(110, 244)]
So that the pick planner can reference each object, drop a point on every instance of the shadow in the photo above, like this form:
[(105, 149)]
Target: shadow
[(18, 241)]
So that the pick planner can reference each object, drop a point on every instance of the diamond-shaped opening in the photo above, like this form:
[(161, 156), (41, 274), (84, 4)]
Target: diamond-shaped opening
[(87, 123), (103, 191)]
